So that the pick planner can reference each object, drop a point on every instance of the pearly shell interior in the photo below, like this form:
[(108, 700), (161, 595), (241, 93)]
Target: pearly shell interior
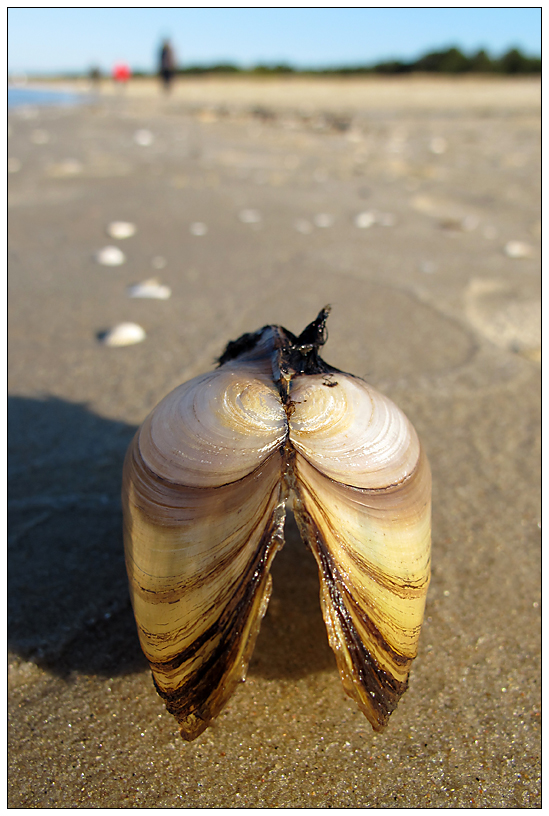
[(205, 483)]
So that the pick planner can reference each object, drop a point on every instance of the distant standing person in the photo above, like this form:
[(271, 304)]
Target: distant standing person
[(167, 64)]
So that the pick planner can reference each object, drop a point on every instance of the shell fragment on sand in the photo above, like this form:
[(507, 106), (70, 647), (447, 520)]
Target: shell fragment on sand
[(249, 216), (143, 137), (438, 145), (365, 220), (124, 334), (65, 169), (110, 256), (150, 288), (368, 218), (198, 228), (121, 229), (324, 220), (518, 250)]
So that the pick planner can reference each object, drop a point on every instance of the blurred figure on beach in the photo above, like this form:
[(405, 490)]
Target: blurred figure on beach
[(95, 77), (167, 65), (121, 74)]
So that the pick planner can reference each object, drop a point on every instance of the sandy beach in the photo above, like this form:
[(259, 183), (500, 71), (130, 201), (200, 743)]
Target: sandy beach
[(412, 207)]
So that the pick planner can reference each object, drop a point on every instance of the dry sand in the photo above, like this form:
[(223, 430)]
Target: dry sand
[(428, 305)]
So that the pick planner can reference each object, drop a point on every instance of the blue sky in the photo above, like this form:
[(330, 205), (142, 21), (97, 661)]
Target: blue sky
[(64, 39)]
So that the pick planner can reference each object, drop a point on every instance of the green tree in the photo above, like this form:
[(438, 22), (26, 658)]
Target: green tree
[(481, 62), (514, 62)]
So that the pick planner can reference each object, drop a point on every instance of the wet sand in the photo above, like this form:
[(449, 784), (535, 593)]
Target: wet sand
[(436, 303)]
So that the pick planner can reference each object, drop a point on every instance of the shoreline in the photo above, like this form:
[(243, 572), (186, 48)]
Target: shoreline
[(412, 92)]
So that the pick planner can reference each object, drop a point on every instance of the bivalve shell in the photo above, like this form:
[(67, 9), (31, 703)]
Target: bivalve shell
[(205, 484)]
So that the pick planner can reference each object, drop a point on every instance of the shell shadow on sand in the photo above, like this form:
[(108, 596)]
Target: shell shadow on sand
[(68, 604), (68, 601)]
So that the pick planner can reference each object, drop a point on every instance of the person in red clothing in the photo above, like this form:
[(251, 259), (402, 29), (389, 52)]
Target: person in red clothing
[(121, 73)]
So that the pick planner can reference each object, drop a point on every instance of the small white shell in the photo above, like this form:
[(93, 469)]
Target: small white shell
[(121, 229), (65, 168), (150, 288), (198, 228), (303, 226), (124, 334), (518, 250), (324, 220), (386, 219), (364, 220), (249, 216), (110, 256), (438, 145), (143, 137)]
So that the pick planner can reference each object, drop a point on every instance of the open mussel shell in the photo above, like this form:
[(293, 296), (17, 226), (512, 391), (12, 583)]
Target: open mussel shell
[(205, 483)]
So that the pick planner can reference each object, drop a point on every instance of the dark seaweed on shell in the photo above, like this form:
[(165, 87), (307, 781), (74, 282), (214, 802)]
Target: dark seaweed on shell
[(296, 355)]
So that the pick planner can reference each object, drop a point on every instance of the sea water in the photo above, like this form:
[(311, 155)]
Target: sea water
[(20, 97)]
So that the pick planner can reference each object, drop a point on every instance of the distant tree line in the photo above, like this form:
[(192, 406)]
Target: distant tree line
[(450, 61)]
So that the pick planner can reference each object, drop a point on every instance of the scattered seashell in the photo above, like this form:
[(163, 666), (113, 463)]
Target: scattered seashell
[(150, 288), (205, 484), (427, 267), (67, 167), (121, 229), (518, 250), (438, 145), (386, 219), (143, 137), (364, 220), (466, 224), (198, 228), (70, 167), (14, 165), (40, 136), (158, 262), (124, 334), (324, 220), (110, 256), (249, 216), (303, 226)]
